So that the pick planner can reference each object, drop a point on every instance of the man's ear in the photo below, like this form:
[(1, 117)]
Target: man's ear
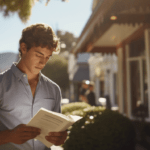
[(23, 48)]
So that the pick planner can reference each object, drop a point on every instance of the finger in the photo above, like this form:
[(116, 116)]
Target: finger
[(23, 125), (54, 142), (31, 129), (64, 133), (53, 138), (28, 137), (20, 127), (30, 134)]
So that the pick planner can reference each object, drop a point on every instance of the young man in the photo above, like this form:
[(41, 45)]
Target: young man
[(24, 90), (83, 90), (90, 95)]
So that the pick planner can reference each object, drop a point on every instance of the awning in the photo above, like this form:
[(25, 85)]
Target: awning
[(82, 73), (130, 12), (102, 50)]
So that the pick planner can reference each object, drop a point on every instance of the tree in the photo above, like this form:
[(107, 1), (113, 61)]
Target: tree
[(67, 39), (22, 7), (56, 70)]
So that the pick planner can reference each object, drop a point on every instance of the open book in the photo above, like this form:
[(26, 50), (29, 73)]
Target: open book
[(49, 121)]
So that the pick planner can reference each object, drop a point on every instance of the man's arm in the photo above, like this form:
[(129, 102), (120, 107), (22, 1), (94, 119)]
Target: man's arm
[(4, 137), (19, 134)]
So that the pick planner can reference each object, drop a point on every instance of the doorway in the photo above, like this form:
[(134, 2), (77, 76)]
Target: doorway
[(138, 84)]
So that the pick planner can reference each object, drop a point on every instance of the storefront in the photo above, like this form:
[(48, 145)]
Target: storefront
[(122, 28)]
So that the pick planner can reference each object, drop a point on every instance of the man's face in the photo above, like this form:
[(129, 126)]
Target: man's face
[(36, 58), (85, 86), (91, 88)]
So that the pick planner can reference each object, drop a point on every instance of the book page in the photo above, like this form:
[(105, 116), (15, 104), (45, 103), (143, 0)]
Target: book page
[(49, 121), (74, 118)]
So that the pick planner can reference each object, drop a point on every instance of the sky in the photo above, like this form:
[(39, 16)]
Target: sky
[(69, 16)]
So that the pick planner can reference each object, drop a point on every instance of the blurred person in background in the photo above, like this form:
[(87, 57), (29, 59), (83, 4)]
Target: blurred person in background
[(90, 95), (24, 90), (83, 90)]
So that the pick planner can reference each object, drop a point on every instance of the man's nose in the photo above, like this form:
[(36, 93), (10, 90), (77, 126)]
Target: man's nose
[(43, 62)]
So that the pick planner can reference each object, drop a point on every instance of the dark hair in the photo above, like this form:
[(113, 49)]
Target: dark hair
[(40, 35)]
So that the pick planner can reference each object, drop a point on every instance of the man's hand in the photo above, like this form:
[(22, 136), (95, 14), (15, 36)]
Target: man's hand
[(57, 138), (23, 133)]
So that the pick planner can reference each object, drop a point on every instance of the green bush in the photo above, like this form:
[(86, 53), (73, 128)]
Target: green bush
[(101, 129), (78, 112), (90, 110), (143, 133), (68, 108)]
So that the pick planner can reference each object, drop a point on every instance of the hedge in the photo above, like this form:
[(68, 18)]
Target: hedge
[(68, 108), (101, 129)]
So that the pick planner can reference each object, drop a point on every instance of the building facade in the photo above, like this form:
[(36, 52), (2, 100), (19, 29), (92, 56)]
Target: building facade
[(121, 29)]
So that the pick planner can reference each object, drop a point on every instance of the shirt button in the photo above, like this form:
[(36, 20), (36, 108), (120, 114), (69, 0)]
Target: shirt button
[(35, 139), (27, 84), (24, 75)]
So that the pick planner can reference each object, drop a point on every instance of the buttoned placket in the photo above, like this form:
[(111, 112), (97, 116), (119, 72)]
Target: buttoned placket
[(25, 82), (33, 100), (29, 91), (28, 88), (32, 97)]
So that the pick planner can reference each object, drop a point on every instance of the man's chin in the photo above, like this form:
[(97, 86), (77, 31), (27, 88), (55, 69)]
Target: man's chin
[(36, 72), (38, 68)]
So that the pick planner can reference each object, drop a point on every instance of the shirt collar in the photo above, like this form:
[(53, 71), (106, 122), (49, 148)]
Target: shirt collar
[(39, 75), (18, 73)]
